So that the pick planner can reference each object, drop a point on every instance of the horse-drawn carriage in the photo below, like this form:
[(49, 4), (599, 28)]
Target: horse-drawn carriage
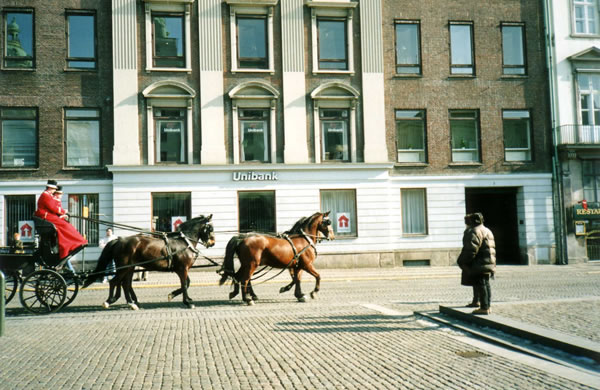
[(44, 283)]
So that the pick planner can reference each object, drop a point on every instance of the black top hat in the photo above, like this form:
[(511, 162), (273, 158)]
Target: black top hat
[(51, 184), (58, 190)]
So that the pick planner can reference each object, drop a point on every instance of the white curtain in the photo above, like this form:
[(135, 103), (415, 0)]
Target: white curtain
[(340, 202), (83, 143), (413, 211)]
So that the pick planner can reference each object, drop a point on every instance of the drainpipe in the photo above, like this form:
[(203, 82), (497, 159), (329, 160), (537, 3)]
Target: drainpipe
[(557, 185)]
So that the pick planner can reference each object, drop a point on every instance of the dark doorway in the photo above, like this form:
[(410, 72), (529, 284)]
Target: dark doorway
[(499, 209)]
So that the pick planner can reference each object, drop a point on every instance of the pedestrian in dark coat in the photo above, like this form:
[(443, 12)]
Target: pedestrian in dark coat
[(478, 261)]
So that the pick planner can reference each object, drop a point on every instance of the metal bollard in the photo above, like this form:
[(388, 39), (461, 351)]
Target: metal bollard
[(2, 303)]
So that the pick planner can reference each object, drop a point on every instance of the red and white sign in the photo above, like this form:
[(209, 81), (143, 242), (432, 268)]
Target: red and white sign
[(26, 229), (343, 222), (176, 221)]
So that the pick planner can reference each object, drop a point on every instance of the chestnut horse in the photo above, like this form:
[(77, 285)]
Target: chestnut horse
[(172, 252), (296, 252)]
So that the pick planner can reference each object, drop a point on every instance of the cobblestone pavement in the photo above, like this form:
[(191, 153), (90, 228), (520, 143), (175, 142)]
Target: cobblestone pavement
[(360, 333)]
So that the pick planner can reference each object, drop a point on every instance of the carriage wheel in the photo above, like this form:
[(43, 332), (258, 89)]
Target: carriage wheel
[(43, 292), (72, 288), (11, 284)]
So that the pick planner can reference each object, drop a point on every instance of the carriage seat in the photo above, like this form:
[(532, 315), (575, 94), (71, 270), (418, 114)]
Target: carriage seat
[(48, 235)]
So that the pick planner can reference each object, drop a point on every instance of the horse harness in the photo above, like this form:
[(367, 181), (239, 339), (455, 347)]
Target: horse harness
[(169, 256)]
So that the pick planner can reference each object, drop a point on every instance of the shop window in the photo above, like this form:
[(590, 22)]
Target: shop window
[(513, 49), (411, 136), (464, 133), (19, 39), (414, 211), (461, 48), (81, 40), (256, 211), (254, 135), (170, 209), (85, 204), (334, 133), (342, 204), (82, 137), (408, 47), (19, 217), (517, 135), (19, 137)]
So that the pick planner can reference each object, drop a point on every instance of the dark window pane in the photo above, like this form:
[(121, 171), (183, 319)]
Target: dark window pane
[(82, 51), (19, 40), (407, 48), (257, 211), (18, 208), (168, 41), (332, 44), (169, 206), (19, 138), (252, 42)]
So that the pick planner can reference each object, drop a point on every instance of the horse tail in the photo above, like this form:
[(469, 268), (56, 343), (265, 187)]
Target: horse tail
[(227, 270), (105, 257)]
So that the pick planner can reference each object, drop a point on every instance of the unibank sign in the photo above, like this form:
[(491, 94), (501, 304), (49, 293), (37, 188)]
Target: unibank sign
[(255, 176)]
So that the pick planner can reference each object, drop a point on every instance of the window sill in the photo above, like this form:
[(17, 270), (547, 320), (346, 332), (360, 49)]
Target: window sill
[(514, 76), (337, 238), (18, 69), (17, 169), (517, 163), (414, 235), (400, 164), (464, 164), (82, 70), (398, 76), (584, 36), (461, 76), (348, 72), (187, 70), (237, 70), (94, 168)]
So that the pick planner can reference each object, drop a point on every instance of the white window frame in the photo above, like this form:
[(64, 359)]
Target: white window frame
[(588, 6), (254, 94), (516, 154), (425, 231), (337, 9), (251, 7), (183, 6), (322, 99), (161, 94)]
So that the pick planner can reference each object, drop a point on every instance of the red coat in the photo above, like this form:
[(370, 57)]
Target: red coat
[(68, 237)]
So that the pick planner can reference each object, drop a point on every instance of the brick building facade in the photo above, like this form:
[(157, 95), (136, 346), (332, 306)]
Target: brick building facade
[(263, 111)]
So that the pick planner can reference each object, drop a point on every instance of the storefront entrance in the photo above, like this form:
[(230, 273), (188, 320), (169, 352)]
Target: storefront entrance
[(499, 209)]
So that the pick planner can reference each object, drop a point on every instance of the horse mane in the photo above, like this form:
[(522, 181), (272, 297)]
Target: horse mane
[(190, 224), (301, 224)]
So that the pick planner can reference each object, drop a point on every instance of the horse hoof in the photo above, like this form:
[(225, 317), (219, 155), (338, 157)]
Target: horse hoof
[(313, 295), (254, 298), (170, 297), (250, 303), (106, 305), (133, 306), (190, 305), (282, 290), (302, 299), (232, 295)]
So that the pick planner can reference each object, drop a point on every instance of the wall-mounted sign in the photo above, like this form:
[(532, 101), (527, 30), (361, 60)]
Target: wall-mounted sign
[(176, 221), (255, 176), (343, 223), (592, 212), (579, 228), (26, 230)]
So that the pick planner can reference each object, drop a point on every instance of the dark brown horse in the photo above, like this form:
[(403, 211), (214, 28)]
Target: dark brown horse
[(172, 252), (297, 253)]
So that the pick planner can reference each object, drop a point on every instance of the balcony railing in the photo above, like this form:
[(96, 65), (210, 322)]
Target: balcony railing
[(579, 134)]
